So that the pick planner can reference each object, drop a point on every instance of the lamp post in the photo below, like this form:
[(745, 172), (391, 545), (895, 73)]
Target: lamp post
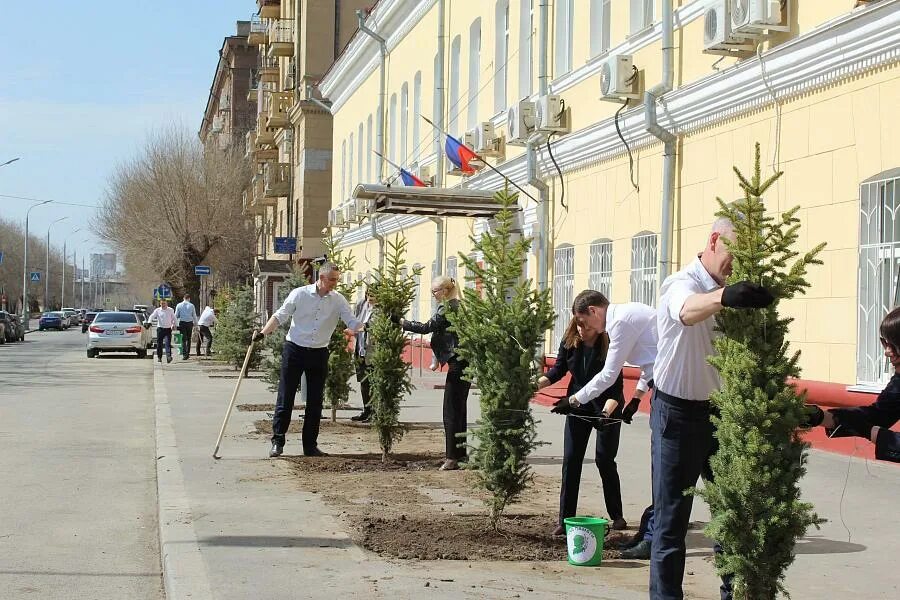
[(47, 271), (25, 312), (62, 291)]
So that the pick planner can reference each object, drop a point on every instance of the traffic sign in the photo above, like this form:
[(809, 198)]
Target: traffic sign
[(1, 257), (163, 291), (35, 276), (202, 270), (285, 245)]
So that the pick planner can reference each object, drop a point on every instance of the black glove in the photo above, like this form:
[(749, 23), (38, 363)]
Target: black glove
[(258, 336), (814, 417), (395, 319), (562, 406), (745, 294), (851, 423), (630, 409)]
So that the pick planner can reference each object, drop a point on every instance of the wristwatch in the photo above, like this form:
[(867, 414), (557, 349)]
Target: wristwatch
[(573, 402)]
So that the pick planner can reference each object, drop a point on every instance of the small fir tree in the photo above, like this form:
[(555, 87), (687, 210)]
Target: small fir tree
[(500, 326), (274, 344), (393, 289), (757, 514), (340, 352), (235, 329)]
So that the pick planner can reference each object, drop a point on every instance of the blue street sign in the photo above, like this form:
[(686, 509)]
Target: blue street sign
[(285, 245), (1, 258), (35, 276), (163, 291), (202, 270)]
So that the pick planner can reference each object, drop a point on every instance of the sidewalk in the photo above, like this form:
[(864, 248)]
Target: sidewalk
[(244, 527)]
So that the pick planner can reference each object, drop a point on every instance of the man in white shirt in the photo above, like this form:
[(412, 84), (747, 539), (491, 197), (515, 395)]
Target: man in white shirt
[(206, 322), (314, 311), (164, 319), (185, 317), (682, 436)]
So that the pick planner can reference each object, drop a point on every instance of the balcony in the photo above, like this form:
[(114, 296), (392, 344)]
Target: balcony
[(253, 91), (249, 143), (278, 105), (281, 38), (259, 193), (251, 208), (268, 70), (258, 34), (278, 179), (265, 154), (269, 9)]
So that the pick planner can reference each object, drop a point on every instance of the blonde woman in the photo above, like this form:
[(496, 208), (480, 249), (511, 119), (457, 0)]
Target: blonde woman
[(443, 345)]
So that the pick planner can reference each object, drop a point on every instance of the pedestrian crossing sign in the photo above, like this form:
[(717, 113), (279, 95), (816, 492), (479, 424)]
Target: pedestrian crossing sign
[(35, 276)]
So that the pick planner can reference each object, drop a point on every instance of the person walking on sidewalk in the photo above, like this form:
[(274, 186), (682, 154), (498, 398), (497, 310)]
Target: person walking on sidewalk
[(206, 322), (185, 317), (164, 319), (314, 311), (364, 311), (682, 436), (443, 345)]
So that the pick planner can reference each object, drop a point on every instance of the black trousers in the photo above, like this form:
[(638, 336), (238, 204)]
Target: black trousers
[(186, 328), (577, 433), (205, 333), (163, 334), (295, 361), (456, 394), (365, 387)]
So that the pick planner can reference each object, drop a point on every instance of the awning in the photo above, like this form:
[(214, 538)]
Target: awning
[(271, 268), (426, 201)]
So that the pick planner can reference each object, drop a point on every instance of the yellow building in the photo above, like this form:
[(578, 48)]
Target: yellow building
[(816, 83)]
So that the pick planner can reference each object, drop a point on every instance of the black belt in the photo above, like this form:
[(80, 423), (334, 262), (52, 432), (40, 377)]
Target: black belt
[(695, 406)]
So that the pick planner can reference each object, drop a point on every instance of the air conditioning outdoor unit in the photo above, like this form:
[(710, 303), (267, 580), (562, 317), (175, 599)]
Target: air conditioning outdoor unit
[(487, 142), (755, 16), (520, 122), (718, 37), (426, 174), (618, 78), (335, 218), (363, 207), (550, 117), (469, 138), (350, 213)]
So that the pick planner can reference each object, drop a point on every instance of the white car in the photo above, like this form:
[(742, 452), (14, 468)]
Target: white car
[(118, 331)]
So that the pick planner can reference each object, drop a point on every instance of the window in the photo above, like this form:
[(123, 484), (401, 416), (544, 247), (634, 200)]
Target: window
[(453, 108), (392, 129), (471, 282), (404, 124), (600, 276), (643, 268), (879, 271), (359, 155), (526, 47), (564, 23), (641, 15), (563, 290), (474, 72), (600, 20), (501, 53), (417, 112), (417, 299), (437, 107), (370, 148), (349, 166), (451, 268), (343, 170)]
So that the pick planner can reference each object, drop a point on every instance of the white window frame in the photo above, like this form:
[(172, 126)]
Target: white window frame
[(526, 48), (370, 146), (417, 299), (452, 272), (563, 290), (417, 112), (343, 170), (474, 73), (392, 128), (349, 166), (404, 124), (359, 154), (501, 53), (644, 267), (453, 105), (600, 274), (564, 24), (640, 15), (601, 18)]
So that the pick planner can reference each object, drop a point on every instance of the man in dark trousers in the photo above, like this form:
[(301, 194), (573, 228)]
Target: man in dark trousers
[(314, 311), (186, 318), (363, 311)]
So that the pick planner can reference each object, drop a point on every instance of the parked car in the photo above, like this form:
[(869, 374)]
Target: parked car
[(74, 316), (87, 320), (118, 331), (10, 328), (53, 320)]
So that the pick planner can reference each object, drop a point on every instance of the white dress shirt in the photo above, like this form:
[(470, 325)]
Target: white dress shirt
[(185, 312), (682, 369), (314, 317), (632, 339), (163, 317), (207, 317)]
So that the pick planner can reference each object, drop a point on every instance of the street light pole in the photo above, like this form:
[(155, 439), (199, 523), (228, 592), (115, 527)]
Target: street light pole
[(62, 291), (47, 271), (25, 312)]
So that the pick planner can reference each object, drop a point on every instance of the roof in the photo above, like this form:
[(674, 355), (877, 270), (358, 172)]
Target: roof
[(428, 201)]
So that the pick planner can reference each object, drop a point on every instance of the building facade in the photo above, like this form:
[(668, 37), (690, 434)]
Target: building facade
[(633, 190)]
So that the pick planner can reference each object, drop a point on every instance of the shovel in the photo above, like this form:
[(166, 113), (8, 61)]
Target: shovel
[(237, 387)]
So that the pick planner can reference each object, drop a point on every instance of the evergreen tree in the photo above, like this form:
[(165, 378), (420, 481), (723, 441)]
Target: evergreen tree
[(393, 289), (235, 328), (757, 514), (500, 327), (274, 344), (340, 354)]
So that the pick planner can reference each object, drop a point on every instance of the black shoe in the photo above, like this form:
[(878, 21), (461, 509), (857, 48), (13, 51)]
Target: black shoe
[(168, 359), (276, 450), (363, 416), (314, 452), (159, 359), (639, 552), (184, 357), (558, 531)]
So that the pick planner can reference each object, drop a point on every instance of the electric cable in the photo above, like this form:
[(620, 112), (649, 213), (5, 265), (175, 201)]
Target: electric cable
[(776, 155)]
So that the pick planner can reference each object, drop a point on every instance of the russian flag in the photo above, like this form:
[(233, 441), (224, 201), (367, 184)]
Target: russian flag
[(410, 179), (459, 154)]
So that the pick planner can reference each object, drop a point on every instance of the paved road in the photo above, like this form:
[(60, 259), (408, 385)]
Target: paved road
[(77, 462)]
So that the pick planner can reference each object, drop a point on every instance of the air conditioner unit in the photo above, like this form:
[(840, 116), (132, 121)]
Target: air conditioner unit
[(519, 122), (487, 142), (349, 212), (549, 114), (618, 78), (754, 16), (363, 207), (469, 138), (426, 174), (335, 218), (718, 38)]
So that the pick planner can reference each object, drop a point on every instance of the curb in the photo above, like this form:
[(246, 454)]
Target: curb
[(184, 571)]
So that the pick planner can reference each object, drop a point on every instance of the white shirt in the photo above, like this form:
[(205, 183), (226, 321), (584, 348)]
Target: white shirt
[(314, 317), (186, 312), (163, 317), (632, 339), (208, 317), (682, 369)]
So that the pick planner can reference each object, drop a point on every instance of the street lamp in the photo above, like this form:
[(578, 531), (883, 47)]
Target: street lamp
[(62, 291), (12, 160), (25, 312), (47, 271)]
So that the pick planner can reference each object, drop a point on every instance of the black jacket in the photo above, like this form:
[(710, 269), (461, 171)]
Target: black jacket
[(443, 342), (568, 361), (884, 412)]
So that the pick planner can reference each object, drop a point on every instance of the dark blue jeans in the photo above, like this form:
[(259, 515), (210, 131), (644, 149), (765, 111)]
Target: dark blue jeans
[(681, 443), (163, 335), (295, 361)]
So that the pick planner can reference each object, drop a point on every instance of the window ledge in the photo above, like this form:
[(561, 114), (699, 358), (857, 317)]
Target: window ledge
[(865, 388)]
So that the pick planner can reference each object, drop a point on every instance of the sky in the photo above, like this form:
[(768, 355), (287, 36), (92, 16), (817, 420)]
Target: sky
[(82, 85)]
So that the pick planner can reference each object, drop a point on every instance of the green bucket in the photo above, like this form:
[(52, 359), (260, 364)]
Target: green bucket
[(584, 540), (176, 339)]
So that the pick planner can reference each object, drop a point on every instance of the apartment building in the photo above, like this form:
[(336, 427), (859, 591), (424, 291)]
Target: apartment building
[(645, 105)]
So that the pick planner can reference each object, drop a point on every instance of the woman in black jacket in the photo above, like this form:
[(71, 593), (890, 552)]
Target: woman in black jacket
[(443, 345), (583, 353)]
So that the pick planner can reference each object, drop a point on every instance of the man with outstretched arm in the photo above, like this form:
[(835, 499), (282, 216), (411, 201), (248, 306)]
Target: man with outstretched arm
[(314, 311)]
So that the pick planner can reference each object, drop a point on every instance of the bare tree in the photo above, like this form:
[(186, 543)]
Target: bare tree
[(12, 241), (175, 206)]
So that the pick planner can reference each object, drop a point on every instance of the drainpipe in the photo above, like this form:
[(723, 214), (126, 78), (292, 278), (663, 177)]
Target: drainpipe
[(534, 179), (379, 133), (373, 222), (438, 246), (666, 136), (438, 146)]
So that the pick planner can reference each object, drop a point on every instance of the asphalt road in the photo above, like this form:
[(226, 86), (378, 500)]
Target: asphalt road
[(78, 506)]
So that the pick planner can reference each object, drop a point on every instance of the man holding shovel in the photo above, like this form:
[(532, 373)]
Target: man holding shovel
[(314, 311)]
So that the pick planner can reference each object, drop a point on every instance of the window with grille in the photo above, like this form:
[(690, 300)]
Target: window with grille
[(563, 290), (643, 268), (600, 275), (879, 271)]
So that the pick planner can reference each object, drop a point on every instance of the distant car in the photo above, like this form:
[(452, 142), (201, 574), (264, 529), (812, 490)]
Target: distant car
[(142, 307), (18, 324), (118, 331), (71, 315), (52, 320), (87, 320), (10, 328)]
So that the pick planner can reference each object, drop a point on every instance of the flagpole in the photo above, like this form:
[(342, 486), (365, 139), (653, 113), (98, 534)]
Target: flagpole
[(486, 163)]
